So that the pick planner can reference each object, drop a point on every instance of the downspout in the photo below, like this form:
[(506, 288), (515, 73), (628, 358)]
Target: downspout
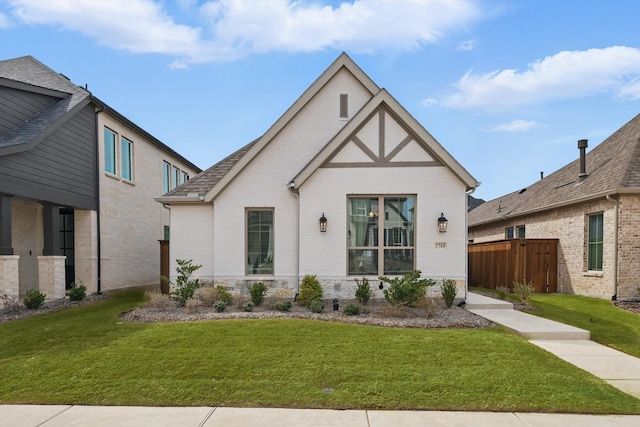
[(296, 194), (97, 184), (466, 234), (614, 297)]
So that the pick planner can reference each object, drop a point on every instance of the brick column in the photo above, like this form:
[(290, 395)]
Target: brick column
[(51, 276), (9, 276)]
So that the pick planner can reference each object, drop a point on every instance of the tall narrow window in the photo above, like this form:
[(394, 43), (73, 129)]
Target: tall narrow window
[(184, 177), (125, 151), (508, 233), (175, 176), (109, 151), (344, 106), (595, 243), (520, 232), (259, 241), (381, 235), (166, 177)]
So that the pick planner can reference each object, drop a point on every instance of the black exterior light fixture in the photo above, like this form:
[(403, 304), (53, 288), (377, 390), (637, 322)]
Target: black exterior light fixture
[(442, 223), (323, 223)]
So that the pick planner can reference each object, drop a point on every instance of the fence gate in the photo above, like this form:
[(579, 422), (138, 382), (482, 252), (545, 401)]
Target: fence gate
[(503, 262), (164, 265)]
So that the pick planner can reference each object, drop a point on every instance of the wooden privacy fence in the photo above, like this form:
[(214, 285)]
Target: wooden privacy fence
[(503, 262)]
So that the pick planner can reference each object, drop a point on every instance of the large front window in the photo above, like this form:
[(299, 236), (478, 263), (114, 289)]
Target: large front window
[(596, 235), (381, 235), (259, 241)]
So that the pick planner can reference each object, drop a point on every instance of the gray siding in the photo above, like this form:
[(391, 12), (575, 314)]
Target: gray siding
[(60, 170), (17, 106)]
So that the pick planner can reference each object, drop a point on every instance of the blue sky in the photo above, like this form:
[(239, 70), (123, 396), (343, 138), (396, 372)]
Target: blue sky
[(507, 87)]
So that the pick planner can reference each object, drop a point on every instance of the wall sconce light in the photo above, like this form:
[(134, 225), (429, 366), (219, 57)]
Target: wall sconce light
[(442, 223), (323, 223)]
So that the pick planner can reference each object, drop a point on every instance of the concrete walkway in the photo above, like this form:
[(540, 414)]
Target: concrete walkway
[(135, 416), (568, 343)]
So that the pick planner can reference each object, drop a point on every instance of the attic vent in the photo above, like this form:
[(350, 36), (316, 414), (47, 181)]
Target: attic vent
[(344, 106)]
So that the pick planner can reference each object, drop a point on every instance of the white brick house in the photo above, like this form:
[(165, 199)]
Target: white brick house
[(348, 152), (77, 187), (591, 205)]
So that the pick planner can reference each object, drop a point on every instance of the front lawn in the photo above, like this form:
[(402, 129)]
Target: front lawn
[(87, 355), (609, 325)]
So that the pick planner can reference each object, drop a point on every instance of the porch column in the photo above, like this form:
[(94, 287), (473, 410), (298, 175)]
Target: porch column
[(51, 223), (5, 225), (9, 276), (51, 275)]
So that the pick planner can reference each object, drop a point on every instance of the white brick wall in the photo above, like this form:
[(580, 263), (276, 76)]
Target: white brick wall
[(131, 221), (9, 276), (27, 239), (51, 276)]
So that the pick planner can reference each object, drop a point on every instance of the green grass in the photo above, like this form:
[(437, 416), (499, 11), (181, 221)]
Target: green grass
[(608, 324), (88, 356)]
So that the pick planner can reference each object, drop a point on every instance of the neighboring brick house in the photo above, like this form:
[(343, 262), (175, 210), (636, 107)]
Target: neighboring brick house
[(346, 153), (77, 187), (592, 205)]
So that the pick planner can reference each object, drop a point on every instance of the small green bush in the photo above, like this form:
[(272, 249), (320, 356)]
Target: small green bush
[(406, 290), (258, 292), (78, 292), (523, 290), (310, 289), (449, 291), (222, 294), (283, 306), (34, 299), (352, 310), (184, 286), (248, 306), (316, 306), (363, 291), (220, 306)]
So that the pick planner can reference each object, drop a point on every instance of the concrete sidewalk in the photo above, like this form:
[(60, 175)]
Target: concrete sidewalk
[(566, 342), (135, 416)]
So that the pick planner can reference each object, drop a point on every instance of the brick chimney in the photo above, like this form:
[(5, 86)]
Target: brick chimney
[(582, 146)]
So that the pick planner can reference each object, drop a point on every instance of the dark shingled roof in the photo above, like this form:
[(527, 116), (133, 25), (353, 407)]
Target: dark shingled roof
[(205, 180), (612, 165), (27, 70)]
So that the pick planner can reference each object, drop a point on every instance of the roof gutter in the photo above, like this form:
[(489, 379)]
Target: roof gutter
[(291, 185), (180, 199)]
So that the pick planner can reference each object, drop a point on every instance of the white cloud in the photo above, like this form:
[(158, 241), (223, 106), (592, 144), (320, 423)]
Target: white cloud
[(467, 45), (515, 126), (5, 21), (565, 75), (242, 27)]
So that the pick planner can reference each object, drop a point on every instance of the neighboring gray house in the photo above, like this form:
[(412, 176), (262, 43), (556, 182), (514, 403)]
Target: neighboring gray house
[(592, 205), (77, 182)]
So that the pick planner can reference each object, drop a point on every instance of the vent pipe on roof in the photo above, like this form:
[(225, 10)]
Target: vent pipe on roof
[(541, 174), (582, 146)]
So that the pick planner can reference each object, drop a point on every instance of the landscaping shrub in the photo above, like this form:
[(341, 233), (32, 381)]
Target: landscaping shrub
[(407, 289), (258, 292), (523, 290), (9, 303), (192, 305), (363, 291), (184, 286), (78, 292), (316, 306), (310, 289), (427, 305), (449, 291), (248, 306), (206, 294), (352, 310), (159, 301), (222, 294), (283, 306), (34, 299), (220, 306), (502, 291)]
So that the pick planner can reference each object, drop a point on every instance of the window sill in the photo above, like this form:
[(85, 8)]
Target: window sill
[(592, 274), (126, 181), (110, 175)]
